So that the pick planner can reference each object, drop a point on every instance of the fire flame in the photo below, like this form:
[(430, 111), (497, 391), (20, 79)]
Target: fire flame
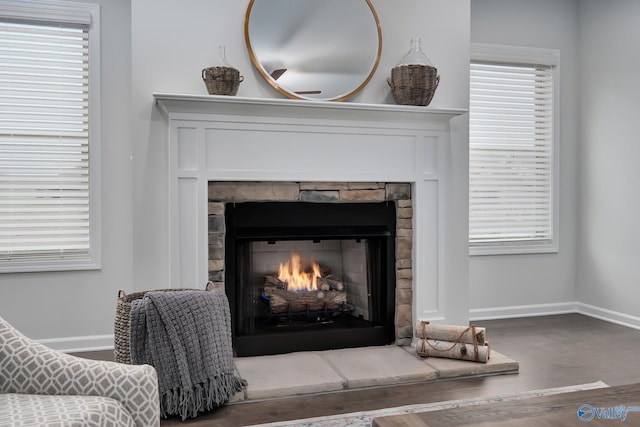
[(297, 279)]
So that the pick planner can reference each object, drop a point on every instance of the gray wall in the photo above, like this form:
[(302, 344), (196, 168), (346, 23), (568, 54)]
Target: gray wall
[(171, 44), (161, 45), (609, 199), (596, 270), (82, 303), (502, 284)]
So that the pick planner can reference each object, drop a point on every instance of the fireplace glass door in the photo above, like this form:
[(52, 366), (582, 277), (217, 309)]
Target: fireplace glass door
[(309, 276)]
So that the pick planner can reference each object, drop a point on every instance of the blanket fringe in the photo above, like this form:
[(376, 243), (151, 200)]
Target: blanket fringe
[(201, 397)]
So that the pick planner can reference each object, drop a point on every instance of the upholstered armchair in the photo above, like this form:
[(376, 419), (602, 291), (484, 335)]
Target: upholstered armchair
[(40, 386)]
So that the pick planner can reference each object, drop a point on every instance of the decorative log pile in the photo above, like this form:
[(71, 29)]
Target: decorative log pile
[(331, 295), (452, 342)]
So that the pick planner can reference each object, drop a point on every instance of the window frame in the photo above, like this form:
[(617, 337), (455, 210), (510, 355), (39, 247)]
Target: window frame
[(72, 13), (528, 56)]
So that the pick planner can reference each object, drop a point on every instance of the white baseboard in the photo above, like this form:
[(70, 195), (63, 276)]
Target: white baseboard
[(105, 342), (522, 311), (609, 315), (554, 308), (79, 344)]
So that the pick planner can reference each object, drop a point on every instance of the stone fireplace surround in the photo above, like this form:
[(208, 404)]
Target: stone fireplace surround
[(222, 192), (315, 144)]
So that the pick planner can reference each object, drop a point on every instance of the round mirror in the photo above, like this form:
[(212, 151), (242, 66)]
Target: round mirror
[(314, 49)]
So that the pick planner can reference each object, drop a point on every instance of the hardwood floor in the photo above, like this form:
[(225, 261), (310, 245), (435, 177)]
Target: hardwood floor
[(600, 407), (553, 351)]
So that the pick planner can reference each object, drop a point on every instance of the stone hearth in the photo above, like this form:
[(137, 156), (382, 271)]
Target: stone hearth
[(355, 368)]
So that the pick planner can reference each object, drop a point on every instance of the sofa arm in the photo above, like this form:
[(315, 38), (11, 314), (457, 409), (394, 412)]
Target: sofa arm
[(32, 368)]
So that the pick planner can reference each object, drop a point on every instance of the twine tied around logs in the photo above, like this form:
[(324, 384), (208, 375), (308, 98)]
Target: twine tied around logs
[(425, 341)]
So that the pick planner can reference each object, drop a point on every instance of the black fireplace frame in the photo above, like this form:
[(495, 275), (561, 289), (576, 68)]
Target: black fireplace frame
[(271, 221)]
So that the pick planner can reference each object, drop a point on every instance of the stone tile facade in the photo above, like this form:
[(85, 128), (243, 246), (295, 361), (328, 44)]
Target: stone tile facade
[(221, 192)]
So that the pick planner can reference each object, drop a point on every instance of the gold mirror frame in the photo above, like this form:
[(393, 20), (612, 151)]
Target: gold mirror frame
[(364, 74)]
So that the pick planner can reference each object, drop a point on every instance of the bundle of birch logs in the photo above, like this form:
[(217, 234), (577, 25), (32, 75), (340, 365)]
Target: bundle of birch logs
[(452, 342)]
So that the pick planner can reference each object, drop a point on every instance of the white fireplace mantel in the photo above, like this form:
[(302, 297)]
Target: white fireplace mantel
[(172, 105), (219, 138)]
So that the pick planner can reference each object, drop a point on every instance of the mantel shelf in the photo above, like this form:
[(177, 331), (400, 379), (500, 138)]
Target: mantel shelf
[(184, 104)]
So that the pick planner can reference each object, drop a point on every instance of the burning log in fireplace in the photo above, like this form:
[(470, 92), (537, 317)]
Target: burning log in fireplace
[(303, 289), (282, 301)]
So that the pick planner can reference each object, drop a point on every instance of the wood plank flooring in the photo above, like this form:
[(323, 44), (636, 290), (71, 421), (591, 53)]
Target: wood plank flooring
[(553, 351), (552, 411)]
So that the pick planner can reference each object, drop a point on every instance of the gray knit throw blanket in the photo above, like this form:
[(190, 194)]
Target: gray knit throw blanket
[(186, 336)]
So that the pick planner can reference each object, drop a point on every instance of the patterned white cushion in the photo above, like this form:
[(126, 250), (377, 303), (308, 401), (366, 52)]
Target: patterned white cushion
[(27, 410), (27, 367)]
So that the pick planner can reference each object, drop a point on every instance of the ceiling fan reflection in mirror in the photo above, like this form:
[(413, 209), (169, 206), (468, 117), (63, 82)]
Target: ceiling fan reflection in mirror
[(314, 49)]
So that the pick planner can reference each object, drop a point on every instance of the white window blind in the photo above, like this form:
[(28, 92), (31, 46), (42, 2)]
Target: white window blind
[(511, 180), (44, 139)]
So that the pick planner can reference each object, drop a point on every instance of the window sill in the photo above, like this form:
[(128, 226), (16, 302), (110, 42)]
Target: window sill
[(34, 266), (512, 249)]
